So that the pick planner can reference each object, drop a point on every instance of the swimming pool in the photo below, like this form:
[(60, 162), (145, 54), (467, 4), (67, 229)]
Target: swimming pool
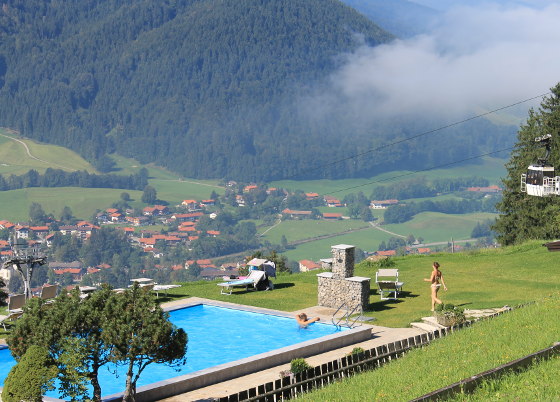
[(218, 336)]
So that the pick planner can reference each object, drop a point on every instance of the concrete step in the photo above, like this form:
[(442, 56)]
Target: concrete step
[(432, 321), (423, 326)]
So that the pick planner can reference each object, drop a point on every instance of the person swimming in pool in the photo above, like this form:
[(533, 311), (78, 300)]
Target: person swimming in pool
[(303, 321), (436, 280)]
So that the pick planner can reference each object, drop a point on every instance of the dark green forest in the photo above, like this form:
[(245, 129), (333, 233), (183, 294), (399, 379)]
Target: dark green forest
[(206, 88)]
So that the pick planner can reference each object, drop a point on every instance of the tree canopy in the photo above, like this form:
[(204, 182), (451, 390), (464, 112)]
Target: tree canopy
[(523, 217)]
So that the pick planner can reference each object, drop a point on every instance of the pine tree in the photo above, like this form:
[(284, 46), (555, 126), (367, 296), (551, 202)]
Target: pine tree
[(525, 217)]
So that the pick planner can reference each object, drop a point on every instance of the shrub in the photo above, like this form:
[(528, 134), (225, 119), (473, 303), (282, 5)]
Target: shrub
[(357, 351), (299, 365), (31, 377), (449, 314)]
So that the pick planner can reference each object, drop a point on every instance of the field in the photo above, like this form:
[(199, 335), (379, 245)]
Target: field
[(438, 227), (491, 169), (473, 350), (482, 279), (15, 159), (83, 201)]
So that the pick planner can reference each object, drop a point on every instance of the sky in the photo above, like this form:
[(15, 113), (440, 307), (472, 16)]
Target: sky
[(475, 59)]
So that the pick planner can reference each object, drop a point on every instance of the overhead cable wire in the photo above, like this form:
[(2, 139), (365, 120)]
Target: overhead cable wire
[(478, 116)]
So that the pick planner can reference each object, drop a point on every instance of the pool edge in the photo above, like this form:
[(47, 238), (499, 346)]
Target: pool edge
[(228, 371)]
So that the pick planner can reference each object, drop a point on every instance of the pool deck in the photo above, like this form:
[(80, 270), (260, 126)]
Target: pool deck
[(380, 336)]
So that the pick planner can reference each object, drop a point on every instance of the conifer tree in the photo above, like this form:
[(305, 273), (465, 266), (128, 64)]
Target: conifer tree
[(525, 217)]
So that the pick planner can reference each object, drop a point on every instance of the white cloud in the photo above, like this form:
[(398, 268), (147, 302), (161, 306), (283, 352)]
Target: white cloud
[(476, 59)]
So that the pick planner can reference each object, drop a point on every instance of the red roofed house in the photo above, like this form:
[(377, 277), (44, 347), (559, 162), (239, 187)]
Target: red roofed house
[(311, 196), (332, 216), (382, 204), (332, 202), (213, 233), (207, 203), (423, 250), (6, 225), (191, 205), (192, 216), (308, 265), (296, 214), (250, 188), (490, 189), (387, 253)]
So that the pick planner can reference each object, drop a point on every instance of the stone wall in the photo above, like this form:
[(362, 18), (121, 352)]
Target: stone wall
[(333, 292)]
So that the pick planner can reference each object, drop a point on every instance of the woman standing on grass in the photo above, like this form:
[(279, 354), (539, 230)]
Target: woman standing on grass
[(436, 280)]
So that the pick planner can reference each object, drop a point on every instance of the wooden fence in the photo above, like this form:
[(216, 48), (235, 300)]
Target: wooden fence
[(317, 377)]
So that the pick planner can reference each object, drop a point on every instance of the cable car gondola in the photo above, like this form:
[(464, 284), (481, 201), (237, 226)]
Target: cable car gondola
[(540, 180)]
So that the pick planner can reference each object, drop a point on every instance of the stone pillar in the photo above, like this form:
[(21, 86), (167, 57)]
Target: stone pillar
[(343, 261)]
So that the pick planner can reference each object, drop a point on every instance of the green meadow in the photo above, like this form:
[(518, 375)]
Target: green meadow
[(175, 191), (14, 158), (83, 201), (481, 347), (438, 227), (482, 279), (492, 169)]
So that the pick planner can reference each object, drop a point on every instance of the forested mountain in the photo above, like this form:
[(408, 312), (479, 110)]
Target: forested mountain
[(207, 88), (402, 18)]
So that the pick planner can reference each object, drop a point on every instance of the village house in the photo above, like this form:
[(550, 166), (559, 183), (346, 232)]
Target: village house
[(296, 214), (382, 204), (138, 220), (75, 268), (190, 205), (311, 196), (82, 230), (207, 203), (6, 225), (250, 187), (156, 210), (489, 189), (308, 265), (189, 217), (332, 216), (22, 232), (386, 253), (332, 202)]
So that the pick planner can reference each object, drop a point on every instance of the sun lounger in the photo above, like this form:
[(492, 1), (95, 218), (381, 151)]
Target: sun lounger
[(254, 277), (163, 288), (15, 309), (48, 293), (388, 283)]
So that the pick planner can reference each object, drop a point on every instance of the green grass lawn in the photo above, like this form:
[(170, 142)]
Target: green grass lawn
[(485, 345), (307, 228), (175, 191), (489, 278), (490, 168), (127, 166), (15, 160), (437, 227), (431, 226), (82, 201)]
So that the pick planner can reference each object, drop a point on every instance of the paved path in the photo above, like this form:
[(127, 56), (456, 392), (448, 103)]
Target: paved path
[(380, 336)]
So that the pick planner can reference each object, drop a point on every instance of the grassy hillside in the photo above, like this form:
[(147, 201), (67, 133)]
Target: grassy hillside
[(474, 350), (489, 278), (492, 169), (83, 201), (14, 158)]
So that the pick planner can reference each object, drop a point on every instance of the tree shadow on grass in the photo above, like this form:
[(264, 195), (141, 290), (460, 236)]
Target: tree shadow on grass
[(284, 285)]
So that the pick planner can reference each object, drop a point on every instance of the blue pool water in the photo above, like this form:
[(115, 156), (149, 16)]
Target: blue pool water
[(217, 335)]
